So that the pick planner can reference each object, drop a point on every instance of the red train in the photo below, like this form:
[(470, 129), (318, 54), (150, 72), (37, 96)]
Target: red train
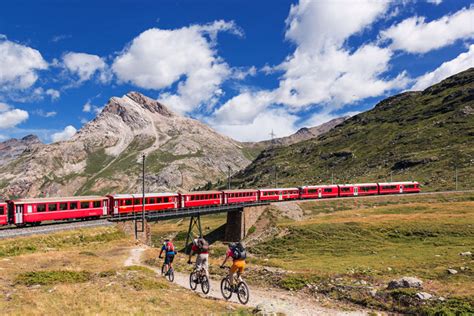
[(22, 212)]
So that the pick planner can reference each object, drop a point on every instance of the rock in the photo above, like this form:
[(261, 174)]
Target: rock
[(389, 269), (266, 309), (405, 282), (466, 254), (452, 271), (441, 298), (424, 296), (373, 292)]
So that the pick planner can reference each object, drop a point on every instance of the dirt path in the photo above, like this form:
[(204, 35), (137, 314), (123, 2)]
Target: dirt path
[(277, 300)]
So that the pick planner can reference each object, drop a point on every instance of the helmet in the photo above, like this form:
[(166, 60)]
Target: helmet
[(195, 241), (232, 245)]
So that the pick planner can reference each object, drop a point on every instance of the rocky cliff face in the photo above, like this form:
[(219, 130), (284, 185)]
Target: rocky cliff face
[(13, 148), (105, 155)]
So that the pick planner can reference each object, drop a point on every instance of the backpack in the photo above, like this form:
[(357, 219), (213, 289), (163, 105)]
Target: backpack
[(169, 247), (203, 245), (239, 252)]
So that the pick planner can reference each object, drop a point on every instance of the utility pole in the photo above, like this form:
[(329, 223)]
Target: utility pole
[(391, 179), (275, 175), (143, 192), (272, 135), (332, 177), (456, 177), (228, 177)]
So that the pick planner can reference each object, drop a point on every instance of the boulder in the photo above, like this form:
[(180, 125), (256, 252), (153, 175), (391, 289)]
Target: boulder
[(452, 271), (405, 282), (466, 254), (424, 296), (264, 309)]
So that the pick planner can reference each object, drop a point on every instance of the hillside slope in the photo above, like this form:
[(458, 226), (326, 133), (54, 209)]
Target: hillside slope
[(422, 135), (105, 155)]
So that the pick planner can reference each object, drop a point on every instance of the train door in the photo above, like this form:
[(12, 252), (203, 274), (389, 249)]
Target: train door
[(401, 188), (19, 214), (356, 191), (104, 207), (320, 193), (116, 206), (280, 196)]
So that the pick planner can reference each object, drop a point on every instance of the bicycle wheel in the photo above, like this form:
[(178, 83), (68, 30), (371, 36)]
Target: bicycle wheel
[(243, 292), (171, 275), (193, 280), (205, 286), (225, 288), (162, 269)]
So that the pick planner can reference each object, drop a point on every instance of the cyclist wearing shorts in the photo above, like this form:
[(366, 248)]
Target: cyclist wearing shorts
[(201, 249), (238, 254), (168, 248)]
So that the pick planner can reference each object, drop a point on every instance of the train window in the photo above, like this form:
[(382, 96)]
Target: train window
[(52, 207), (328, 190), (409, 186), (84, 204), (63, 206), (41, 208), (128, 202), (345, 189), (96, 204), (2, 210), (165, 200), (137, 202), (73, 205), (152, 200)]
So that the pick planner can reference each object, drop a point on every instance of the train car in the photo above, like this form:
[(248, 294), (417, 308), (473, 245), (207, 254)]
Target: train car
[(35, 211), (358, 189), (280, 194), (3, 213), (319, 191), (129, 203), (399, 187), (201, 198), (239, 196)]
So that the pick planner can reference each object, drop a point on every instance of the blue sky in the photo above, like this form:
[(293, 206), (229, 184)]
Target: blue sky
[(244, 67)]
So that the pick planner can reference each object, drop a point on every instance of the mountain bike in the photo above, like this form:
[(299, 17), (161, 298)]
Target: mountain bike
[(239, 287), (168, 274), (198, 276)]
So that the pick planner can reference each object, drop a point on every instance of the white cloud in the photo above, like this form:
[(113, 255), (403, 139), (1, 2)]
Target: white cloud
[(321, 73), (3, 137), (462, 62), (11, 117), (68, 132), (54, 94), (19, 65), (43, 113), (85, 66), (259, 128), (157, 58), (414, 35), (90, 108), (436, 2)]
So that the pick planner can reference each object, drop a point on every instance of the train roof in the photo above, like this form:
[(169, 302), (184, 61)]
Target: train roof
[(140, 195), (59, 199), (201, 192), (240, 191), (356, 184), (403, 182), (278, 189), (319, 186)]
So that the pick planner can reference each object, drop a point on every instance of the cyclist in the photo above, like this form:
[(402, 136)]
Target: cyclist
[(201, 249), (170, 252), (239, 254)]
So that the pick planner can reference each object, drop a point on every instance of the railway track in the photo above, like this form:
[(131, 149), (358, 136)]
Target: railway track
[(51, 227), (9, 232)]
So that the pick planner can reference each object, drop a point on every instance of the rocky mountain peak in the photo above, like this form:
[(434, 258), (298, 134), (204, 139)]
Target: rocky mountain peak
[(149, 103)]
